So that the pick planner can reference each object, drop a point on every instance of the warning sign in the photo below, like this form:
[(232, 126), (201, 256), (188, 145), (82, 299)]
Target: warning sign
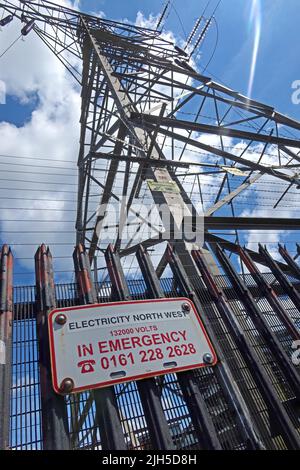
[(165, 187), (96, 346)]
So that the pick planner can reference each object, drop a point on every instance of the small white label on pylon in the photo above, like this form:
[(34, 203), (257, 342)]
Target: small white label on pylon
[(2, 352)]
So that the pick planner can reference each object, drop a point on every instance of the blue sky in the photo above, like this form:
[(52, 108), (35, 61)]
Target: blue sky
[(277, 65), (32, 105)]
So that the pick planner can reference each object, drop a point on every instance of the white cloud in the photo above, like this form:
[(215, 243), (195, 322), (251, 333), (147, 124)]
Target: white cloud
[(50, 136), (144, 22)]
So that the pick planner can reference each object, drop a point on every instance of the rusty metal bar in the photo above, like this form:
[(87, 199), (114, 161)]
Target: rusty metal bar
[(260, 323), (289, 260), (107, 413), (212, 240), (269, 293), (264, 384), (233, 395), (159, 431), (53, 408), (280, 276), (6, 315), (200, 416)]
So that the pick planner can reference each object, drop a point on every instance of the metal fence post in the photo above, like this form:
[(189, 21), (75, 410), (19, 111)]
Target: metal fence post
[(281, 277), (149, 392), (107, 415), (269, 293), (200, 416), (235, 400), (260, 323), (289, 260), (53, 408), (6, 318), (264, 384)]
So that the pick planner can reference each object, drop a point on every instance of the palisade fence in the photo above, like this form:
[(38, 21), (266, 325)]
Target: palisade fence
[(249, 400)]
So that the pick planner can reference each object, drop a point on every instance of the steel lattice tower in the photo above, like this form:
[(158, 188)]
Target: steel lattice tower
[(154, 134), (145, 109)]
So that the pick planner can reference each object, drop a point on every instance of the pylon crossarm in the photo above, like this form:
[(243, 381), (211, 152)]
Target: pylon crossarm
[(230, 156)]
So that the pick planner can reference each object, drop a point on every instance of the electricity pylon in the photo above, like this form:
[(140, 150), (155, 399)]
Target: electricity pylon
[(153, 128)]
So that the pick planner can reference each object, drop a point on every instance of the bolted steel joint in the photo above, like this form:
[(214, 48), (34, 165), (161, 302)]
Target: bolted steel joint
[(186, 307), (67, 385), (61, 319), (207, 358)]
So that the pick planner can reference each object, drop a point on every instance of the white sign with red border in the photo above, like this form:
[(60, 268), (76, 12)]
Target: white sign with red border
[(98, 345)]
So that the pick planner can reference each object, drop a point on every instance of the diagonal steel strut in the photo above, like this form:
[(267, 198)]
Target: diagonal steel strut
[(174, 202)]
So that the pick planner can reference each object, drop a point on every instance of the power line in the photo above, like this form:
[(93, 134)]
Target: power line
[(38, 182), (39, 190), (10, 46), (36, 199), (34, 244), (39, 221), (37, 232), (38, 209), (180, 21), (16, 258), (201, 152), (37, 166), (215, 46), (36, 173), (37, 158)]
